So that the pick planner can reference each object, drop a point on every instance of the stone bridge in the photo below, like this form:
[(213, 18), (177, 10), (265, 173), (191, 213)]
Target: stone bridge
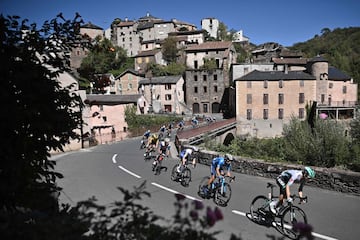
[(223, 131)]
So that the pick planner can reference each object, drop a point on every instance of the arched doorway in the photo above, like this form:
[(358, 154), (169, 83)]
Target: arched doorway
[(196, 108), (215, 107)]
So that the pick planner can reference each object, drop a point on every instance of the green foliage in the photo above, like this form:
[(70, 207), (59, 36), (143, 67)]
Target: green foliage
[(169, 50), (209, 64), (40, 114), (355, 130), (325, 145), (340, 47), (102, 58), (139, 123), (168, 70)]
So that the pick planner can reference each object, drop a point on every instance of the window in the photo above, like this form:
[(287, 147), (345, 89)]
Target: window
[(130, 86), (196, 64), (167, 86), (301, 83), (246, 70), (344, 89), (266, 98), (248, 114), (322, 98), (265, 83), (205, 108), (205, 89), (266, 114), (215, 77), (195, 89), (248, 98), (215, 89), (281, 113), (248, 84), (195, 78), (281, 83), (330, 85), (281, 98), (301, 113), (167, 97), (204, 78), (301, 97)]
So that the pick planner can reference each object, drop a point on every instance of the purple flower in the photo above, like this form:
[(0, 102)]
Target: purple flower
[(303, 229), (198, 205), (218, 214), (179, 196), (210, 217), (194, 215)]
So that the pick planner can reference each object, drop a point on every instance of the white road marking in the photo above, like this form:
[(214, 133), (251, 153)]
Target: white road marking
[(318, 235), (175, 192), (129, 172), (114, 158), (193, 198)]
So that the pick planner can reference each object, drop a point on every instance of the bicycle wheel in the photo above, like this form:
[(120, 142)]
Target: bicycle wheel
[(174, 173), (203, 183), (291, 216), (186, 177), (222, 195), (259, 209)]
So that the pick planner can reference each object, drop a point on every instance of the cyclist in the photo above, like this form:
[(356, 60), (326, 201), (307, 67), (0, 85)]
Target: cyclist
[(285, 180), (152, 144), (164, 148), (146, 134), (217, 166), (162, 131), (185, 156)]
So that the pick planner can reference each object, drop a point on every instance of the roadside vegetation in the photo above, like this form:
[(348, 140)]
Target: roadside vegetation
[(329, 144)]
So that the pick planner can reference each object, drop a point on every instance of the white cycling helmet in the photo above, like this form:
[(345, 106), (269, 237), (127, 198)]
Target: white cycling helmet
[(229, 157), (195, 149), (167, 140)]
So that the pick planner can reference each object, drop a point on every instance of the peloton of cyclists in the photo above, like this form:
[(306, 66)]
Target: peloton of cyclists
[(218, 165), (285, 180), (187, 155)]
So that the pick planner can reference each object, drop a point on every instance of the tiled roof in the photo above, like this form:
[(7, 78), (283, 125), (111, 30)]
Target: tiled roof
[(125, 24), (275, 75), (160, 80), (113, 99), (91, 26), (148, 53), (136, 73), (209, 46), (336, 74), (290, 61)]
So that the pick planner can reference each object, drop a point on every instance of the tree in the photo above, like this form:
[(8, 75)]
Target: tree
[(169, 50), (38, 115), (102, 58)]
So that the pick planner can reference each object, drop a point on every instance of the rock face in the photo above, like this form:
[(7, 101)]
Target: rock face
[(326, 178)]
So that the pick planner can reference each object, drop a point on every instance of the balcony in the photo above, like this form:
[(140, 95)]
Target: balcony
[(338, 104)]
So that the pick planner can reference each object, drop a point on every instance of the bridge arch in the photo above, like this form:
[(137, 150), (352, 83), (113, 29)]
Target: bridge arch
[(228, 138)]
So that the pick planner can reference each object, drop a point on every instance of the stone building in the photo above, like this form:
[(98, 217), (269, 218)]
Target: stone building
[(265, 100), (128, 82), (205, 88)]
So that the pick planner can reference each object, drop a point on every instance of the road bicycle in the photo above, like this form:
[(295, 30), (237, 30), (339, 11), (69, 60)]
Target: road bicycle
[(156, 165), (289, 215), (220, 190), (184, 177), (149, 154)]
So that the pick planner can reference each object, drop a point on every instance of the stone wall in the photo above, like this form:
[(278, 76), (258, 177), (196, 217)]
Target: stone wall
[(326, 178)]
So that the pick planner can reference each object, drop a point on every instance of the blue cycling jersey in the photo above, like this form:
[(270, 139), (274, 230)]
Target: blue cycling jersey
[(220, 163)]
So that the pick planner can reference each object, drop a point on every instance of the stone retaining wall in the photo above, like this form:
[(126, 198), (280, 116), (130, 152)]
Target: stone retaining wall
[(326, 178)]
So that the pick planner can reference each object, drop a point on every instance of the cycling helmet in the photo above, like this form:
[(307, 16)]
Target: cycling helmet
[(310, 172), (229, 157), (155, 136), (196, 149), (167, 140)]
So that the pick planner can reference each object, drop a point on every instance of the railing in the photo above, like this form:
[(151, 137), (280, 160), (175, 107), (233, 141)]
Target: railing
[(338, 104)]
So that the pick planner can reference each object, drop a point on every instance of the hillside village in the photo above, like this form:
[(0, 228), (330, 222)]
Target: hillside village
[(263, 93)]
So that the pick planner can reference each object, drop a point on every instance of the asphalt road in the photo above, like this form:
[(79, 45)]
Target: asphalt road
[(98, 171)]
